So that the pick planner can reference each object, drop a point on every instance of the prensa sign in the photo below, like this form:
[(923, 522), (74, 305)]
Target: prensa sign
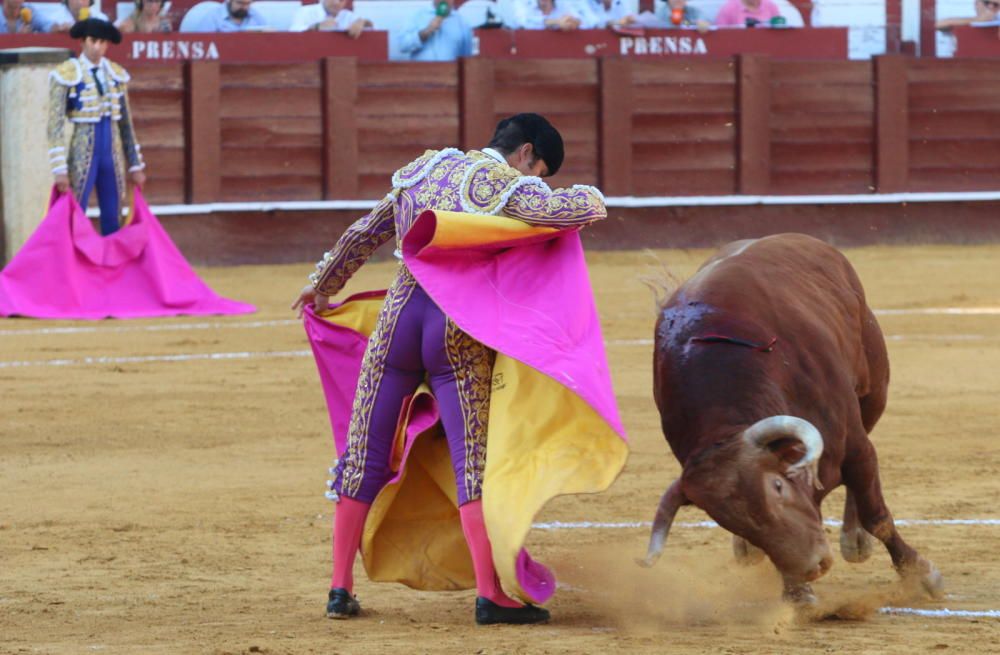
[(148, 50), (662, 45)]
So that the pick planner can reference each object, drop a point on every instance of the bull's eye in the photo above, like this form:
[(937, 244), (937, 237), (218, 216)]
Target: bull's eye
[(777, 485)]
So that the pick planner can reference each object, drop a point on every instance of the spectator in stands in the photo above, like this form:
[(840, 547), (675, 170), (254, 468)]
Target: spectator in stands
[(329, 16), (548, 15), (18, 19), (596, 14), (986, 11), (146, 17), (437, 33), (746, 13), (234, 16), (678, 13), (67, 15)]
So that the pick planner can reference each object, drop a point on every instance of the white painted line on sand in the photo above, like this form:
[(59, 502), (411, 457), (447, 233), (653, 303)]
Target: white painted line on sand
[(941, 613), (144, 359), (596, 525), (165, 327), (938, 337), (889, 337), (236, 324), (940, 311), (187, 357)]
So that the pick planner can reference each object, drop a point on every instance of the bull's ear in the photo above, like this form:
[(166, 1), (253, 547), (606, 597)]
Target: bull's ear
[(786, 451)]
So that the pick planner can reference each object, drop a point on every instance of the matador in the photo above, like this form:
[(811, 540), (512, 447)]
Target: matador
[(415, 342)]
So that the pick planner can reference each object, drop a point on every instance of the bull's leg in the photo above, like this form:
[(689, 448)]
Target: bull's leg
[(746, 553), (855, 543), (671, 501), (861, 477)]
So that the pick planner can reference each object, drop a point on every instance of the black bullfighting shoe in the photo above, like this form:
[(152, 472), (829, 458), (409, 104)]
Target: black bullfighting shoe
[(342, 605), (488, 613)]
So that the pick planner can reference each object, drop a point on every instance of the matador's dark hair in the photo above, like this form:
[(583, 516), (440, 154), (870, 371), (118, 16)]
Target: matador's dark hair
[(513, 132)]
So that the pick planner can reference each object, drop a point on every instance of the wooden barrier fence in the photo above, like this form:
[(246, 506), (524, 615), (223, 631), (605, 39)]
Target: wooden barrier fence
[(337, 128)]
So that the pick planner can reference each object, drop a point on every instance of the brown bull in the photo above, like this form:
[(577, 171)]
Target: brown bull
[(770, 372)]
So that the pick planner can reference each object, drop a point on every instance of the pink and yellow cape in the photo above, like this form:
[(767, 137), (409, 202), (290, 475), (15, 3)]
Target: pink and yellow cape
[(553, 428)]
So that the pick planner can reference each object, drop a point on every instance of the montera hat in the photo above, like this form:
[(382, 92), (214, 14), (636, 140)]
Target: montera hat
[(96, 28)]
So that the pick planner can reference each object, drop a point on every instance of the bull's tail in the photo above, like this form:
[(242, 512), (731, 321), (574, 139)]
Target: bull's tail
[(670, 502)]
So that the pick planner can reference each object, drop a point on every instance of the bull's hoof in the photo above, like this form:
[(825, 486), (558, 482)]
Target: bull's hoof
[(929, 577), (924, 574), (746, 553), (800, 595), (856, 545), (933, 583)]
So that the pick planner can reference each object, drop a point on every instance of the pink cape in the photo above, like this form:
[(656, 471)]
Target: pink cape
[(532, 302), (66, 270), (338, 352)]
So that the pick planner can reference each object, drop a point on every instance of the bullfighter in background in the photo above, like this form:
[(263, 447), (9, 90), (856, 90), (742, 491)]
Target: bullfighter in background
[(91, 92)]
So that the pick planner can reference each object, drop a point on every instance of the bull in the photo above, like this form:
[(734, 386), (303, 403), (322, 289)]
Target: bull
[(770, 372)]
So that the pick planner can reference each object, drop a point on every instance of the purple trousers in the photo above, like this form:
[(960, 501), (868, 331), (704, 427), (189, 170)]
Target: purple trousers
[(414, 342)]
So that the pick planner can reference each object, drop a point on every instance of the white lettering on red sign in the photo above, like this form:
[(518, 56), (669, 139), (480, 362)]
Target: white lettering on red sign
[(174, 50), (662, 45)]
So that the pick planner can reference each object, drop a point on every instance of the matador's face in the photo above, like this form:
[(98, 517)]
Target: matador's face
[(94, 49)]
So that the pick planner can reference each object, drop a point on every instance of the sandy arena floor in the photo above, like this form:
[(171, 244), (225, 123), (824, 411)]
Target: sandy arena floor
[(153, 504)]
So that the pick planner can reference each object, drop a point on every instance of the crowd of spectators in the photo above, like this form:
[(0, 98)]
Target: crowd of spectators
[(433, 32)]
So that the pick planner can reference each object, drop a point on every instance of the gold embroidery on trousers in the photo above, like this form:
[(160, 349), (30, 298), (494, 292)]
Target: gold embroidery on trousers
[(370, 381), (472, 363)]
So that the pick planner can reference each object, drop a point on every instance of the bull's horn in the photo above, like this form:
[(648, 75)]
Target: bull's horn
[(763, 432)]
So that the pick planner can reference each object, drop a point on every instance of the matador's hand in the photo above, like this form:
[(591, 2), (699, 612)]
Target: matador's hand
[(309, 296), (138, 178), (62, 183)]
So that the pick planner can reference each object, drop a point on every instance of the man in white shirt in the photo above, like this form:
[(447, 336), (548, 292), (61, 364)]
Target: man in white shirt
[(233, 16), (549, 15), (63, 17), (329, 16), (598, 14)]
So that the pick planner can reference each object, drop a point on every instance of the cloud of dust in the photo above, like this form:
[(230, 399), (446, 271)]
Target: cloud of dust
[(682, 589), (699, 588), (860, 604)]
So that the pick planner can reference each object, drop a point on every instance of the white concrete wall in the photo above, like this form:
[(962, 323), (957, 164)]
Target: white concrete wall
[(24, 159)]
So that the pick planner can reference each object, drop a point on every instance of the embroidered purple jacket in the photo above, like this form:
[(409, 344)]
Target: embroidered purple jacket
[(450, 180)]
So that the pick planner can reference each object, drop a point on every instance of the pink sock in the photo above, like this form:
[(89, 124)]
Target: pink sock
[(348, 523), (487, 583)]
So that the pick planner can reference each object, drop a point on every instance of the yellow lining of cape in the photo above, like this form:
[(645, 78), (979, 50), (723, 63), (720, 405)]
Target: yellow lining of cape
[(457, 230)]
